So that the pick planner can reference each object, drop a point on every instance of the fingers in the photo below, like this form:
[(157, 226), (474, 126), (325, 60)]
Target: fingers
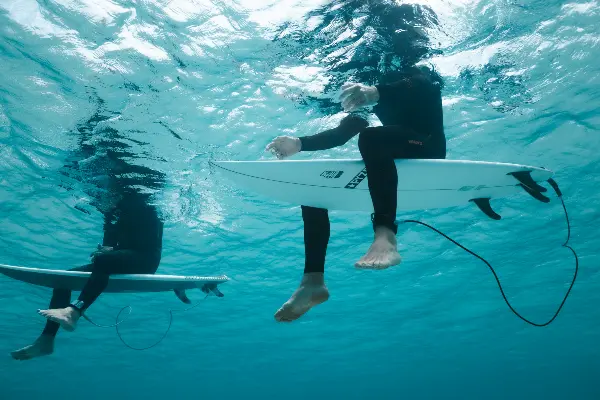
[(353, 103), (280, 147), (272, 145), (277, 152), (348, 90)]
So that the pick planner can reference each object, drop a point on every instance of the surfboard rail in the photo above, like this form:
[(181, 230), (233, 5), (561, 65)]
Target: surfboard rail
[(342, 184), (138, 283)]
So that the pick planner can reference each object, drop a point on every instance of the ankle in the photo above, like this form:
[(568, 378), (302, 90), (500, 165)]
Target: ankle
[(313, 278), (382, 231), (384, 221), (47, 339), (74, 312)]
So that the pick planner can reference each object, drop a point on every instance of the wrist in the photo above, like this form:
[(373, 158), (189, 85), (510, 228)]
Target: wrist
[(381, 91), (375, 94)]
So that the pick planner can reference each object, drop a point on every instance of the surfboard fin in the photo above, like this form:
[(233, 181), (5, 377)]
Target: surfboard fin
[(483, 203), (530, 186), (212, 287), (180, 293)]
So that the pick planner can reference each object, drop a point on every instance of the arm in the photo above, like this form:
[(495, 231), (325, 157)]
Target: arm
[(348, 128), (110, 232)]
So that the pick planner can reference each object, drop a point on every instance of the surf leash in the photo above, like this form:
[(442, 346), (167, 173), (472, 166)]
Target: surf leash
[(119, 321), (529, 189)]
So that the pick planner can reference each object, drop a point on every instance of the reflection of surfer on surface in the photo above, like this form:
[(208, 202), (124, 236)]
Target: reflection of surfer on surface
[(408, 103), (132, 244)]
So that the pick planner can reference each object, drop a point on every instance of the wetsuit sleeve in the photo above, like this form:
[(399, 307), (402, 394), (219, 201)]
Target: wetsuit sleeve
[(110, 233), (348, 128)]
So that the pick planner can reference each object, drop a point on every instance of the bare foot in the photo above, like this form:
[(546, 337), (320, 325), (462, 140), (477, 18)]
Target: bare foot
[(383, 253), (43, 346), (311, 292), (66, 317)]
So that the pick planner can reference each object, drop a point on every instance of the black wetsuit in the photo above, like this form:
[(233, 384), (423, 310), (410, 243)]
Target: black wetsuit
[(134, 231), (410, 110)]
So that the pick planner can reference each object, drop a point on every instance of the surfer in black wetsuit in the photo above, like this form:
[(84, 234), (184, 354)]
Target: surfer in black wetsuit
[(408, 102), (133, 229), (132, 244)]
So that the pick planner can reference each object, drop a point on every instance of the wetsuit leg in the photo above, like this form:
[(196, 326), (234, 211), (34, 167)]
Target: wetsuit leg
[(316, 238), (379, 147), (61, 299), (114, 262)]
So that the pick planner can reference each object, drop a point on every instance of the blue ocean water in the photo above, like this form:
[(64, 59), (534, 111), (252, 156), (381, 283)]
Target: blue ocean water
[(177, 83)]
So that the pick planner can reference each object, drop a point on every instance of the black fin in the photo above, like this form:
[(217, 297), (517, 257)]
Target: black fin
[(484, 205), (524, 177), (180, 293), (535, 194), (212, 287)]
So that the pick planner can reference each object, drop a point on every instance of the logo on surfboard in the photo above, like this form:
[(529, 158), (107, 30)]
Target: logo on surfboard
[(357, 179), (331, 174), (469, 188)]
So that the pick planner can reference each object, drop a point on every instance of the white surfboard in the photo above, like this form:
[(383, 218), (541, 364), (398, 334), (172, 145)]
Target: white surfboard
[(343, 184), (74, 280)]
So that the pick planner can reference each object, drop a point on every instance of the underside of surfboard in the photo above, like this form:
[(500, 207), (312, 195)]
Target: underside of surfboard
[(422, 184), (142, 283)]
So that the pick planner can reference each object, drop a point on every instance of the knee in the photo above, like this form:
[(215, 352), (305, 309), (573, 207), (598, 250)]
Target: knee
[(101, 263), (369, 141), (61, 292), (363, 141)]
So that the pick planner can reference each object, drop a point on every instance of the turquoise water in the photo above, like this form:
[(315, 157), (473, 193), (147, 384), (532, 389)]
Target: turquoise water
[(176, 83)]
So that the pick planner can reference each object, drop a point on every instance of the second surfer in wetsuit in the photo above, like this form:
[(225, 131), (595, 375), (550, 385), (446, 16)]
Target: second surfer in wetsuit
[(410, 109), (132, 244)]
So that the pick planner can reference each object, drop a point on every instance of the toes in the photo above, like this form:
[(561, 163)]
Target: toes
[(364, 262), (378, 261), (361, 262), (291, 317), (280, 315), (20, 355), (381, 262), (285, 314)]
